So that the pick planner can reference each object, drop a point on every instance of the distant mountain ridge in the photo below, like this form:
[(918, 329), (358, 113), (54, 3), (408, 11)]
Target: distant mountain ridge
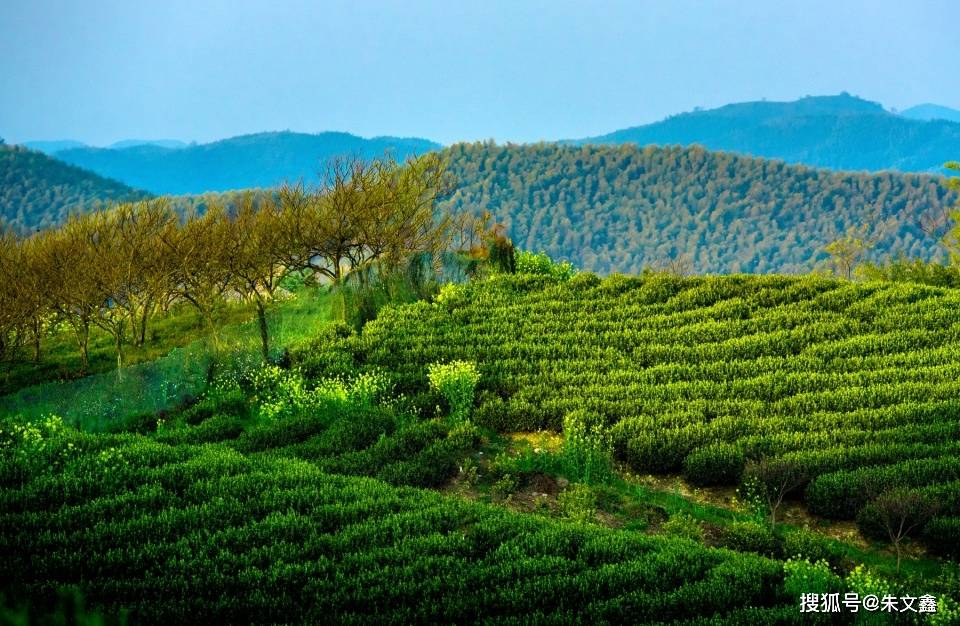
[(929, 112), (54, 146), (837, 132), (60, 145), (37, 191), (163, 143), (257, 160)]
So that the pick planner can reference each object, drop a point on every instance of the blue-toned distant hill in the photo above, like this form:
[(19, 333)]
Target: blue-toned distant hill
[(37, 191), (52, 147), (259, 160), (928, 112), (60, 145), (163, 143), (838, 132)]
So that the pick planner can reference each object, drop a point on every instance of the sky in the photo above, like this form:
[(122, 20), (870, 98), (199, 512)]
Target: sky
[(448, 70)]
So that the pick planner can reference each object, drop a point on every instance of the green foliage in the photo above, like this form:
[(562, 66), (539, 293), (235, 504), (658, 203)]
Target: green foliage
[(65, 607), (540, 263), (942, 534), (578, 503), (717, 464), (279, 393), (37, 191), (904, 270), (800, 543), (749, 536), (683, 525), (27, 447), (586, 447), (504, 487), (456, 381), (845, 389), (807, 576), (101, 402), (864, 583), (270, 538), (626, 208)]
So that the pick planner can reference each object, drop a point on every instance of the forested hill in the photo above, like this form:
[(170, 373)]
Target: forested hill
[(259, 160), (37, 191), (621, 208), (839, 132)]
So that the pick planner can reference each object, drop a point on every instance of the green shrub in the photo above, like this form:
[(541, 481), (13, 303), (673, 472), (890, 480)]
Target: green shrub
[(219, 398), (749, 537), (332, 353), (942, 535), (28, 448), (540, 263), (493, 413), (716, 464), (586, 447), (456, 381), (578, 503), (800, 543), (805, 576), (683, 525), (213, 429), (504, 487)]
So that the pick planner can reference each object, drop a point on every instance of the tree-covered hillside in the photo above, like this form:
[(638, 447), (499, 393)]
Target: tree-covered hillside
[(37, 191), (838, 132), (621, 208), (259, 160)]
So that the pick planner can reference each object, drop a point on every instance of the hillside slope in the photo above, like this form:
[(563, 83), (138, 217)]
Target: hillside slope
[(838, 132), (259, 160), (854, 384), (37, 191), (621, 208)]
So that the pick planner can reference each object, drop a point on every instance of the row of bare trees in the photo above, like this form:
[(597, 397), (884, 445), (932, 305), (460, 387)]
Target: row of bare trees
[(115, 269)]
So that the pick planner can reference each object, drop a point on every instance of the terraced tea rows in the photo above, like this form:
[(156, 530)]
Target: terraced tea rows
[(240, 532), (702, 374)]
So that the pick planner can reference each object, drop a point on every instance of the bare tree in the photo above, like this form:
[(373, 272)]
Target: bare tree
[(775, 479), (901, 512), (30, 292), (943, 222), (255, 256), (144, 265), (11, 310), (196, 251), (66, 265)]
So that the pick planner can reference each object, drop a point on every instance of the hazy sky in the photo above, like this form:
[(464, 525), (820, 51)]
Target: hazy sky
[(448, 70)]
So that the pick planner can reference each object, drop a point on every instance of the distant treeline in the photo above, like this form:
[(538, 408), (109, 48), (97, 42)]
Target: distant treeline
[(116, 268), (622, 208), (610, 208)]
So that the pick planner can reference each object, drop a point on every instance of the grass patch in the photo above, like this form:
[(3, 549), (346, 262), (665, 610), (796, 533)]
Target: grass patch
[(108, 402)]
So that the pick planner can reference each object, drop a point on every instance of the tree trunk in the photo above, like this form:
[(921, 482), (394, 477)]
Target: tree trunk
[(36, 340), (83, 338), (143, 324), (264, 331), (118, 336)]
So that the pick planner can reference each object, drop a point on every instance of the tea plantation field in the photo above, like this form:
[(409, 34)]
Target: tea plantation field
[(362, 478), (853, 387)]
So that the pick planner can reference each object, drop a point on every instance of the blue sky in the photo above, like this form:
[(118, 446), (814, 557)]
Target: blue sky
[(448, 70)]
